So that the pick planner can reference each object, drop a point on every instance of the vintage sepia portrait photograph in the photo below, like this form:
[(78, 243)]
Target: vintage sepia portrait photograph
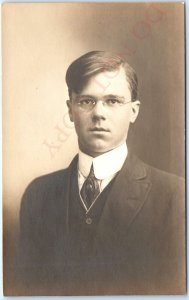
[(93, 149)]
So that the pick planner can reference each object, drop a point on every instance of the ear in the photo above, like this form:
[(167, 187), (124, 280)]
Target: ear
[(135, 105), (69, 105)]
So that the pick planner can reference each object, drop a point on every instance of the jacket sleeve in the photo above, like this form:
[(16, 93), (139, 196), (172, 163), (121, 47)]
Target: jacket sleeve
[(29, 241)]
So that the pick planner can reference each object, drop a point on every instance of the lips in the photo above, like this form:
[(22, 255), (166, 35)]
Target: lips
[(99, 129)]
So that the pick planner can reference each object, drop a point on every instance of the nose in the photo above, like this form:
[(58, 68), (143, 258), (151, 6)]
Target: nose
[(99, 111)]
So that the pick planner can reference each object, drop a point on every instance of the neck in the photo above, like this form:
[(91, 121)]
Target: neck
[(93, 154)]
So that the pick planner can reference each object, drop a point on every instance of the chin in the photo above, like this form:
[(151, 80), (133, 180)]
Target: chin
[(95, 147), (98, 150)]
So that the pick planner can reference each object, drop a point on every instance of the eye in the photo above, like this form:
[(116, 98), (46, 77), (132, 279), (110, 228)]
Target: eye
[(112, 101), (86, 102)]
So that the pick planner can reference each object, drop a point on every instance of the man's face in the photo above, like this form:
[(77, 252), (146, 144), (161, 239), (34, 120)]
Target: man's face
[(104, 126)]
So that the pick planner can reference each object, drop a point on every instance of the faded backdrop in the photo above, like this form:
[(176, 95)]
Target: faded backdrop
[(39, 42)]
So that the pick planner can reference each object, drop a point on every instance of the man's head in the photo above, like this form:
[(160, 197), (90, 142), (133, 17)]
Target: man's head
[(103, 100)]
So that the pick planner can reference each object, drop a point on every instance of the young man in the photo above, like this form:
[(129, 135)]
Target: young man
[(109, 223)]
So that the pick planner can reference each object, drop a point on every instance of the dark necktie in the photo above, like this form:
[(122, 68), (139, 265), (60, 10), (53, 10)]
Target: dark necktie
[(90, 189)]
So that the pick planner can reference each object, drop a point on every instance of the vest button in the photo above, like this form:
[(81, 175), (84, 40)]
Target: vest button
[(89, 221)]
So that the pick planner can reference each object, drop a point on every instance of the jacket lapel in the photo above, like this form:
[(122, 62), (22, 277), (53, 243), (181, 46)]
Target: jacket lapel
[(127, 196), (66, 192)]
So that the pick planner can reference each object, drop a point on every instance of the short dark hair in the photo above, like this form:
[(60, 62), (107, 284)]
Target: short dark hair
[(94, 62)]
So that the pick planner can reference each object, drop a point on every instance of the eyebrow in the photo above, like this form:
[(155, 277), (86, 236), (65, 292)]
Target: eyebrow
[(114, 96), (105, 97)]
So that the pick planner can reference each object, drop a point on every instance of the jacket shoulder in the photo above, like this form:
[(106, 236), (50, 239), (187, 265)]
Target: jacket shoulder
[(162, 183), (47, 181), (166, 179), (51, 181), (47, 190), (140, 169), (166, 188)]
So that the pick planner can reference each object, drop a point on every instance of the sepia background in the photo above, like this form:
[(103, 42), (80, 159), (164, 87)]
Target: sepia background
[(39, 42)]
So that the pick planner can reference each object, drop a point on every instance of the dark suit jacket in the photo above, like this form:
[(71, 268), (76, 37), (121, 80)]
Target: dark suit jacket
[(138, 244)]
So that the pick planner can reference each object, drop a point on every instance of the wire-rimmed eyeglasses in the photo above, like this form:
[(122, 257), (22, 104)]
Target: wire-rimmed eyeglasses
[(87, 103)]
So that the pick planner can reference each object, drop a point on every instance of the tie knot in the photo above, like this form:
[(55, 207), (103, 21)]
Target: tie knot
[(91, 173)]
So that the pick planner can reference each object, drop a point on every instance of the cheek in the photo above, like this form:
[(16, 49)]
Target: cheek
[(79, 120), (76, 118), (122, 125), (122, 119)]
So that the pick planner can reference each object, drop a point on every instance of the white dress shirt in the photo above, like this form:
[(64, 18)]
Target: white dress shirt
[(105, 165)]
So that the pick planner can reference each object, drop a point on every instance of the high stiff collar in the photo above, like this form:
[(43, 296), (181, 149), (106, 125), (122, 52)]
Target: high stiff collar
[(105, 165)]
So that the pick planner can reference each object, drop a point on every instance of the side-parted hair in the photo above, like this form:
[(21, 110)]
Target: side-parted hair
[(95, 62)]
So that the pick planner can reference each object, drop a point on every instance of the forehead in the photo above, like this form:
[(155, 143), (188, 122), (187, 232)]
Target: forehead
[(108, 82)]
